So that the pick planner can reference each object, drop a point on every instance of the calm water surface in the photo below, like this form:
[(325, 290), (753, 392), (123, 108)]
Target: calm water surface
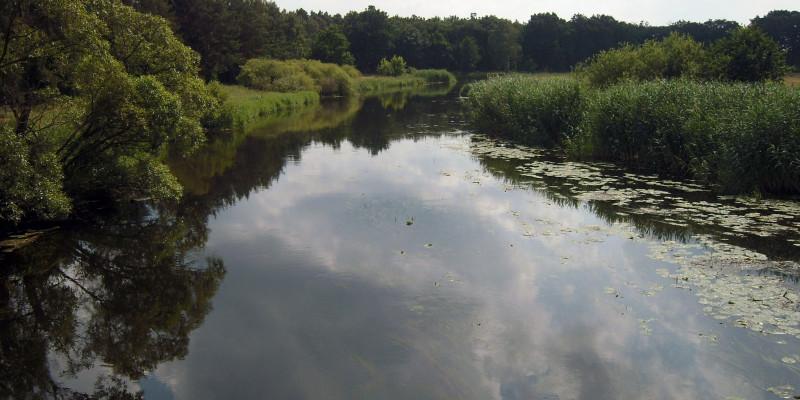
[(377, 250)]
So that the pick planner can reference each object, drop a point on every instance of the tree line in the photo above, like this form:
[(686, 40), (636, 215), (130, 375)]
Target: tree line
[(228, 33)]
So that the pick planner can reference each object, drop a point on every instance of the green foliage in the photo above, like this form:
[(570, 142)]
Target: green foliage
[(248, 106), (675, 56), (370, 85), (30, 181), (468, 54), (394, 66), (782, 27), (296, 76), (275, 76), (352, 71), (369, 36), (435, 76), (747, 55), (330, 79), (527, 109), (99, 93), (332, 46), (742, 137)]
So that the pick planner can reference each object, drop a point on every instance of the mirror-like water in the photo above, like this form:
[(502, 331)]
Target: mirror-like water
[(379, 249)]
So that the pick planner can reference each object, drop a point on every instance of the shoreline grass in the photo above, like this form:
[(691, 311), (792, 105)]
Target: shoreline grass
[(376, 84), (248, 106), (738, 137)]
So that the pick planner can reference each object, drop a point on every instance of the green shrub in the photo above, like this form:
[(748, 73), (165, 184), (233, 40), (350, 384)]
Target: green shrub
[(275, 76), (747, 55), (330, 79), (297, 76), (527, 109), (352, 71), (395, 66), (676, 56), (435, 76)]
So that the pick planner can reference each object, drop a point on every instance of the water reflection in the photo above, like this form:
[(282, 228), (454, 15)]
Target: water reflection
[(371, 253), (118, 299)]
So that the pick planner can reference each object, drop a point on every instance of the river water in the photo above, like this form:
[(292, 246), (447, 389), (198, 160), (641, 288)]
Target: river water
[(380, 249)]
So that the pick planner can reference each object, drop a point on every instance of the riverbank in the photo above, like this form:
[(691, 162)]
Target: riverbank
[(247, 106), (740, 138)]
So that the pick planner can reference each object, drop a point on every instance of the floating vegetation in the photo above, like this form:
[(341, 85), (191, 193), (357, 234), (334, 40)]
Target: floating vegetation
[(644, 326), (687, 205), (784, 392), (736, 285)]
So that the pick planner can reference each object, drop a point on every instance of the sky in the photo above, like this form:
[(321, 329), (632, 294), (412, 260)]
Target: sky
[(654, 12)]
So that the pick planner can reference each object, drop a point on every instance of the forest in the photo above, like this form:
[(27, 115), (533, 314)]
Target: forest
[(227, 33)]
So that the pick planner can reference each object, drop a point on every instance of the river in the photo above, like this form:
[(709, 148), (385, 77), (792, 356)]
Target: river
[(380, 249)]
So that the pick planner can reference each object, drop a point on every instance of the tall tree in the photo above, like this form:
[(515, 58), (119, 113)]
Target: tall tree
[(467, 54), (783, 27), (368, 33), (331, 46), (544, 42), (99, 92)]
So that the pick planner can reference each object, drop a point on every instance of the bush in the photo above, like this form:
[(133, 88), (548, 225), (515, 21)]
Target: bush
[(275, 76), (527, 109), (676, 56), (747, 55), (352, 71), (330, 79), (297, 76), (435, 76), (395, 66)]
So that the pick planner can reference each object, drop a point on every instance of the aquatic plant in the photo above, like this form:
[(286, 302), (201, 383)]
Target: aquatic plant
[(526, 109), (741, 137)]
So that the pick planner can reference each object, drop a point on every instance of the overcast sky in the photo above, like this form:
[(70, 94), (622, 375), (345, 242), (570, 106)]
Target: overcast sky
[(656, 12)]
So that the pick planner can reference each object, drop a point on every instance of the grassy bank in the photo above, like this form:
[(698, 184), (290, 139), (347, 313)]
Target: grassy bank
[(248, 106), (739, 137), (371, 85), (327, 79)]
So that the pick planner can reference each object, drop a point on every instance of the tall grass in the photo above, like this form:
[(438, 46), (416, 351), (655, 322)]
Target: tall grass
[(740, 137), (248, 106), (527, 109)]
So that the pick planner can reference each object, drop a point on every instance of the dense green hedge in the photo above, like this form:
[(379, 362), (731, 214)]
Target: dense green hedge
[(741, 137)]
